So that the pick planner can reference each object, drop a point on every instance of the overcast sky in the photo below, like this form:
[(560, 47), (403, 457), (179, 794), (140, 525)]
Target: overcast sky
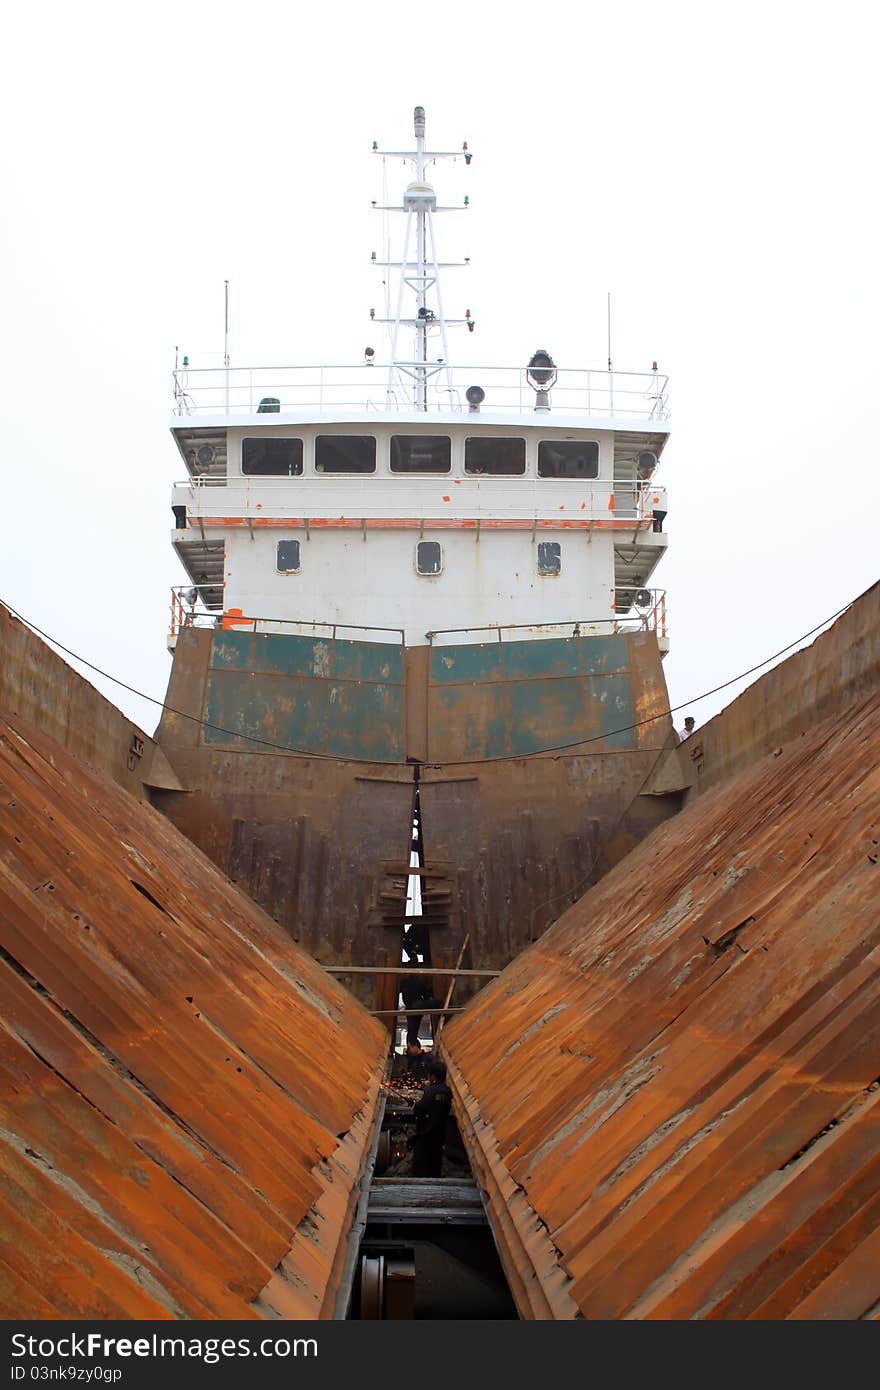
[(714, 167)]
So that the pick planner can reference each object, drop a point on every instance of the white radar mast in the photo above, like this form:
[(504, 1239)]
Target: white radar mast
[(420, 274)]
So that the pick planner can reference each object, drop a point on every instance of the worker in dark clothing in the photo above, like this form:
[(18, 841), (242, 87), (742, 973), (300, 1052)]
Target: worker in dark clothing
[(415, 990), (431, 1113), (418, 1060)]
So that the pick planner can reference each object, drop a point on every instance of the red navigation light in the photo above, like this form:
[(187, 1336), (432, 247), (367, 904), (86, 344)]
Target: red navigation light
[(653, 366)]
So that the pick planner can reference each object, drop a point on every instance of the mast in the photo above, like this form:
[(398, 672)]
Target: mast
[(420, 273)]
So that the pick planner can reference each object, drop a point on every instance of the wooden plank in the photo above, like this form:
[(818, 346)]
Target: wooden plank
[(405, 969), (410, 872), (426, 919), (417, 1013), (455, 975)]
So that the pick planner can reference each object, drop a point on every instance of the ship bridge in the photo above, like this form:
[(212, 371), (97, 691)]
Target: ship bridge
[(314, 496)]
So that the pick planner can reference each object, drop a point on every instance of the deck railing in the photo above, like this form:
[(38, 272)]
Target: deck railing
[(650, 617), (646, 617), (362, 389)]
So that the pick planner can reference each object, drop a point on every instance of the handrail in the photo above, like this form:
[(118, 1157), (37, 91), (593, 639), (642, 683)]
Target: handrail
[(237, 391), (652, 618), (182, 615)]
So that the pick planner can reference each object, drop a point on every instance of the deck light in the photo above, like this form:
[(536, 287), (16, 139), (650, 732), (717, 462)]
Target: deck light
[(475, 395), (541, 369), (643, 598), (541, 374), (369, 354)]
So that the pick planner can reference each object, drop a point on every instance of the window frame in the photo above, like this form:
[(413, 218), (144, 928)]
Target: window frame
[(569, 477), (548, 573), (429, 574), (290, 540), (345, 472), (270, 439), (487, 438), (419, 472)]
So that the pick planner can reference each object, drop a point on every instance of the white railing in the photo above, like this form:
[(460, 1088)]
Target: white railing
[(362, 390), (184, 613), (648, 616)]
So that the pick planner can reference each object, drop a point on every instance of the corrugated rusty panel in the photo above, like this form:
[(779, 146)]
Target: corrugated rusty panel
[(841, 665), (174, 1143), (306, 838), (315, 695), (528, 836), (38, 685), (681, 1077), (507, 699)]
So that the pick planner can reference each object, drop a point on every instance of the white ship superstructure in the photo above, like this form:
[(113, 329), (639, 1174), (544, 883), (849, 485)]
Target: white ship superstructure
[(414, 499)]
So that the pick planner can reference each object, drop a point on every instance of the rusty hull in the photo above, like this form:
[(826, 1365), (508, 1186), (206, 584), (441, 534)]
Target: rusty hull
[(174, 1143), (672, 1099), (841, 665), (520, 836), (39, 686)]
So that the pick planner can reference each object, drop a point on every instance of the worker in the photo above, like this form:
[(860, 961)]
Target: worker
[(688, 727), (431, 1113), (417, 1059), (415, 991)]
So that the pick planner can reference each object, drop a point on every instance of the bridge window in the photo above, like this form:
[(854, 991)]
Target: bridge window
[(288, 557), (421, 453), (549, 557), (568, 458), (272, 457), (484, 455), (345, 453), (429, 557)]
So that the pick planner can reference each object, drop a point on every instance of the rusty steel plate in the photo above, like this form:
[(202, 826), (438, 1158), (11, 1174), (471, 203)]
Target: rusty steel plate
[(672, 1099), (175, 1144)]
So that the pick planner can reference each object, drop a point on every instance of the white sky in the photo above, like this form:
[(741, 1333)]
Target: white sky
[(715, 168)]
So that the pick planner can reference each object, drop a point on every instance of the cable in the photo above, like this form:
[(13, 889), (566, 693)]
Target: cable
[(460, 762)]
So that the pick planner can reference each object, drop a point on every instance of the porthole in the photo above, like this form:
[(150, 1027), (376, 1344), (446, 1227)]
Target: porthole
[(429, 557), (549, 557), (287, 559)]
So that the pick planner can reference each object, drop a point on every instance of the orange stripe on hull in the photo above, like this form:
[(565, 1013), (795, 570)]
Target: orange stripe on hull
[(445, 523)]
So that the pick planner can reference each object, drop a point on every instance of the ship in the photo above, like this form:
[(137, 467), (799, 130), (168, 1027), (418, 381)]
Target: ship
[(418, 595), (417, 713)]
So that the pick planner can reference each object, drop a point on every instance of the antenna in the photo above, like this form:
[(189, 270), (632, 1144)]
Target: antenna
[(609, 330), (610, 368), (226, 343)]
